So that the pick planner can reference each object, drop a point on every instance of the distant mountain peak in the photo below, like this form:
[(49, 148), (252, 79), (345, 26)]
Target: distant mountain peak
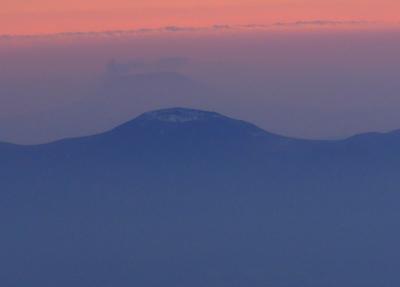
[(179, 115)]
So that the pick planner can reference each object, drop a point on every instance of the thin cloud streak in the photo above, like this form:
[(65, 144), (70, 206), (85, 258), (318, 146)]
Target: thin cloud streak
[(213, 28)]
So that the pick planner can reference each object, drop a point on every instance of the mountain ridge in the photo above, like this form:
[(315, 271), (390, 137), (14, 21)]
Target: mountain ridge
[(181, 115)]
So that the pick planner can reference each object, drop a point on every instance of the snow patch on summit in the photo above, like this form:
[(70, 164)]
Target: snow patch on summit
[(179, 115)]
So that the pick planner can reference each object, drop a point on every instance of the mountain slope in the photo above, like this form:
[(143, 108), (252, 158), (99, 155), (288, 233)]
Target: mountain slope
[(185, 145)]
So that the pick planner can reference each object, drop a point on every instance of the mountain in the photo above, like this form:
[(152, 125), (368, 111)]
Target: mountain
[(106, 102), (183, 197)]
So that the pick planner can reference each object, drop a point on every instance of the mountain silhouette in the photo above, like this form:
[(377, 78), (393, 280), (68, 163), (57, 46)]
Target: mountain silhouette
[(184, 197)]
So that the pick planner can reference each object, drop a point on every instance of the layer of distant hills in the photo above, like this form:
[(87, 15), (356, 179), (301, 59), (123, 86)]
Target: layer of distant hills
[(182, 197)]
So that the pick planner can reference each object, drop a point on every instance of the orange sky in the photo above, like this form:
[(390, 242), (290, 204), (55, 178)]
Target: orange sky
[(52, 16)]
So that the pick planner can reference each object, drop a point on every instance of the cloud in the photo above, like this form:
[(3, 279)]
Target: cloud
[(136, 66), (111, 33), (181, 29), (321, 23), (171, 63), (222, 27)]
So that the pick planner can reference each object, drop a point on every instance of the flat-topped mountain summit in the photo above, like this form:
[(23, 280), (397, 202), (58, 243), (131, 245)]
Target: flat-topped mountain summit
[(180, 115), (188, 124)]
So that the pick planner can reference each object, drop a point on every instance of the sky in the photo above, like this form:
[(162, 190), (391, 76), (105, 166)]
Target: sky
[(304, 68), (48, 16)]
